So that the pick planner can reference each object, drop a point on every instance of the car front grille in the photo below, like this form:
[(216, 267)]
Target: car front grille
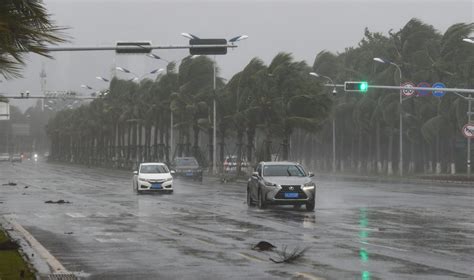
[(290, 189), (156, 181)]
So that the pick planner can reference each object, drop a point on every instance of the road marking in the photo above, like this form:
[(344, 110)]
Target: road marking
[(250, 257), (76, 215), (111, 240), (237, 229), (383, 246), (308, 276), (53, 263)]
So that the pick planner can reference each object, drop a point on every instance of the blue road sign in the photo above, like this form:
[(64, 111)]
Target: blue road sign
[(439, 93), (423, 92)]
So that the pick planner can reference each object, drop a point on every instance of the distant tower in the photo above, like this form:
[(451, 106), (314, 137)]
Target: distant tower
[(43, 84)]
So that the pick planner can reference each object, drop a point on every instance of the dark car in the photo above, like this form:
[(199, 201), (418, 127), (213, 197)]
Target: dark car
[(187, 167), (282, 183), (16, 158)]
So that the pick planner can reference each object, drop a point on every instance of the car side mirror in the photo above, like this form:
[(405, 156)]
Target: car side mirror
[(255, 174), (310, 174), (172, 172), (135, 172)]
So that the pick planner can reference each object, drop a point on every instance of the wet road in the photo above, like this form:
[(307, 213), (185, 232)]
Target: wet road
[(206, 231)]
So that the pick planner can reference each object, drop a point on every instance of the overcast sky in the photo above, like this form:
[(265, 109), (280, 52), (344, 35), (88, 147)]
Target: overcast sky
[(303, 28)]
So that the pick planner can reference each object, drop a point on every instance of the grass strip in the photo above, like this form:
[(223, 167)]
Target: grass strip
[(12, 264)]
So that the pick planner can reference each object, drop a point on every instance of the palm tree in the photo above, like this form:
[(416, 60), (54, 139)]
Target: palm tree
[(25, 26)]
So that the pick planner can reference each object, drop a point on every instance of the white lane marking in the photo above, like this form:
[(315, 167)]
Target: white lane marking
[(43, 216), (76, 215), (308, 276), (237, 229), (54, 264), (383, 246), (100, 214), (111, 240)]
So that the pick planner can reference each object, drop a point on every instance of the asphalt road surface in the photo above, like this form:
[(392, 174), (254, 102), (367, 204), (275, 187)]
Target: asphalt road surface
[(206, 231)]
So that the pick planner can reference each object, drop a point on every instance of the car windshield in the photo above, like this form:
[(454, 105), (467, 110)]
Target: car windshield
[(186, 162), (283, 170), (153, 169)]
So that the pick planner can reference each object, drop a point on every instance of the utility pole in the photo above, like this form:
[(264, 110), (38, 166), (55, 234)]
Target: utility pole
[(469, 140), (214, 131)]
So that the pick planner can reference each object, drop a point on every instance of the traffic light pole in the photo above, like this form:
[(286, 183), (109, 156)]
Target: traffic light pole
[(468, 162), (132, 48)]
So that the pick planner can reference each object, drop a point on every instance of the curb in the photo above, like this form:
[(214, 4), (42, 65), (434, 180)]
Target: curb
[(47, 266)]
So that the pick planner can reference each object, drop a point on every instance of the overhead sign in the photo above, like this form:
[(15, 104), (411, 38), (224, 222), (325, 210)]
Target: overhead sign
[(439, 93), (408, 89), (468, 130), (4, 111), (133, 47), (196, 50)]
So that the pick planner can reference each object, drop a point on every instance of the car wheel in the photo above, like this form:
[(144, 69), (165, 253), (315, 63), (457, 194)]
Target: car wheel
[(249, 198), (310, 205), (261, 201)]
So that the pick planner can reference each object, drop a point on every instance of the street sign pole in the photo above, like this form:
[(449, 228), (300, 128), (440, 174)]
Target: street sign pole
[(468, 162)]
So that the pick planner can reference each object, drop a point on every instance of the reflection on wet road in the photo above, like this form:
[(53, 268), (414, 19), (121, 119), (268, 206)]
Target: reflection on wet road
[(206, 231)]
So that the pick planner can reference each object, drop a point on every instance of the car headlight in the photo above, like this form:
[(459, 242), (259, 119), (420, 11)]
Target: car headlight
[(143, 179), (269, 184), (309, 185), (169, 179)]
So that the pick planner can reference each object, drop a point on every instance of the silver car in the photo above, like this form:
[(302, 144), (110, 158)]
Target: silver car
[(282, 183)]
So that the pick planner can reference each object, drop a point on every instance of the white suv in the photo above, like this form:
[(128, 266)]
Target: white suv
[(154, 177)]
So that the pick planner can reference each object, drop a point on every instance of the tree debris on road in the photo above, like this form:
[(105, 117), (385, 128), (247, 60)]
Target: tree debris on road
[(9, 184), (263, 246), (61, 201), (288, 257)]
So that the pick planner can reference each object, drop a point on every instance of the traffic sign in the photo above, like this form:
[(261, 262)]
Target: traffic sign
[(423, 92), (408, 89), (196, 50), (439, 93), (468, 130)]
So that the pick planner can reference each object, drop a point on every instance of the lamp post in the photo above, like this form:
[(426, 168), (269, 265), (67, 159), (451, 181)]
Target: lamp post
[(334, 91), (384, 61), (214, 125)]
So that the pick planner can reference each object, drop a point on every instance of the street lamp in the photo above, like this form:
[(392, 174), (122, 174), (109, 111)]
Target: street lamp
[(384, 61), (469, 40), (102, 79), (334, 91), (136, 78), (214, 125)]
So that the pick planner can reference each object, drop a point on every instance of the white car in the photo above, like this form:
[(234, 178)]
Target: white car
[(152, 177)]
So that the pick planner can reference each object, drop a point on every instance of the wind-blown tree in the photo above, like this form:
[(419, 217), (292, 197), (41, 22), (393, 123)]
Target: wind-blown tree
[(25, 26)]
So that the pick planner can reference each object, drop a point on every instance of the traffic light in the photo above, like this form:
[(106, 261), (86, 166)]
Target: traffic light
[(208, 51), (356, 86)]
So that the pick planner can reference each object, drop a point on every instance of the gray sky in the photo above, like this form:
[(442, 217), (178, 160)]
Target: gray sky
[(303, 28)]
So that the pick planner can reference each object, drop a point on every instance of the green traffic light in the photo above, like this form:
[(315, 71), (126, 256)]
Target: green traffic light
[(364, 86)]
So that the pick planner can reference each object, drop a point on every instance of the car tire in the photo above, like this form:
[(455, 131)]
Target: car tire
[(261, 201), (250, 202), (310, 205)]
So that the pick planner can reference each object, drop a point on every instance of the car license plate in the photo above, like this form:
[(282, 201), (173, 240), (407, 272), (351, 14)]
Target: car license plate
[(189, 174), (156, 186), (291, 195)]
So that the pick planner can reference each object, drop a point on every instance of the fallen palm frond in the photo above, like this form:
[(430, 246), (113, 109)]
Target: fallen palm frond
[(286, 256)]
